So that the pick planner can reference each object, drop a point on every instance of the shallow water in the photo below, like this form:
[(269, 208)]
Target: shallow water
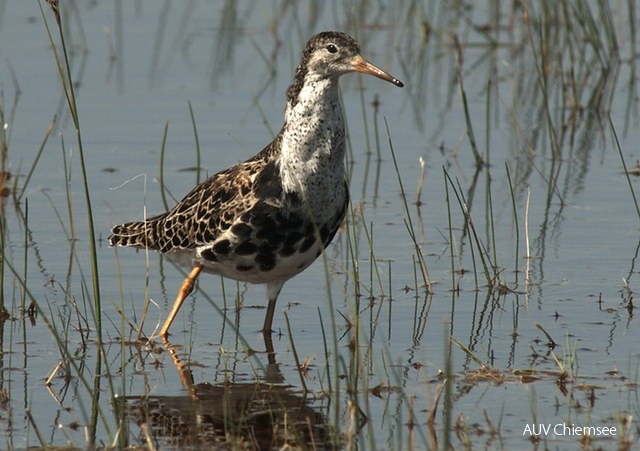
[(378, 348)]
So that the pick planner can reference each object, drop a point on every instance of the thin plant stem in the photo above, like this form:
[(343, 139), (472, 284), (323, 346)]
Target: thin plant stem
[(295, 353), (408, 222), (624, 166), (515, 220), (197, 139), (165, 130), (35, 161)]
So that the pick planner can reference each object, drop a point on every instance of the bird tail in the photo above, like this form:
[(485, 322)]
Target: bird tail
[(137, 234)]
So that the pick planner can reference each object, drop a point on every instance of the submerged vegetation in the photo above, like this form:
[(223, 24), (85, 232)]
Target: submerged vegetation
[(437, 320)]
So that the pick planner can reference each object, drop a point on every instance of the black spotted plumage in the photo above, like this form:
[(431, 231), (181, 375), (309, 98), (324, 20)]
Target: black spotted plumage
[(267, 219)]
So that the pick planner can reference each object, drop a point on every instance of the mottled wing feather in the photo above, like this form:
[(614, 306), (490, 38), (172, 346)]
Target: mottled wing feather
[(204, 213)]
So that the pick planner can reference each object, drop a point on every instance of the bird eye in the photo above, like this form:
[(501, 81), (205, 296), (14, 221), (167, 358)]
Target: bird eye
[(331, 48)]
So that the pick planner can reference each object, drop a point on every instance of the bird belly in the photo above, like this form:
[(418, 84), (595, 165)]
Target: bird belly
[(247, 268)]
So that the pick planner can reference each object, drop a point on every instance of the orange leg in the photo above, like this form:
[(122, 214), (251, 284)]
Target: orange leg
[(185, 290)]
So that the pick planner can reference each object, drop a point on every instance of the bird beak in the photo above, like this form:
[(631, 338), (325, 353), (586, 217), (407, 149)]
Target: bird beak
[(359, 64)]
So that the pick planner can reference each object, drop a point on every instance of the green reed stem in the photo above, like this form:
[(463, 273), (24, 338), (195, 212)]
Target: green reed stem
[(465, 105), (326, 349), (295, 354), (624, 165), (4, 145), (408, 221), (335, 393), (41, 438), (447, 408), (26, 260), (373, 262), (491, 229), (163, 144), (35, 161), (515, 220), (465, 213), (353, 247), (197, 139)]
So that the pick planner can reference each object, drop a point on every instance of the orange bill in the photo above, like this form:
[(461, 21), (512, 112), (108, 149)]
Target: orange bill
[(360, 64)]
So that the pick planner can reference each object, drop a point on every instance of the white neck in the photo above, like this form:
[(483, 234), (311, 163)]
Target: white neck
[(313, 144)]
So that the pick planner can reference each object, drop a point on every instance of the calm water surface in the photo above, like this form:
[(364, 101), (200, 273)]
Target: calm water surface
[(137, 68)]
